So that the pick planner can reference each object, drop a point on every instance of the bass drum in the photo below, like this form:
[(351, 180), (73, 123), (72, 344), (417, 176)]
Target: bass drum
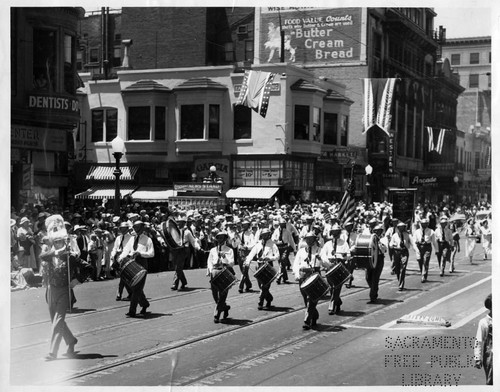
[(172, 234), (365, 251)]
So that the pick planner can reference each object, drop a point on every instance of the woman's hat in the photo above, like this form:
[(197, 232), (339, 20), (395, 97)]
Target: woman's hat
[(24, 220)]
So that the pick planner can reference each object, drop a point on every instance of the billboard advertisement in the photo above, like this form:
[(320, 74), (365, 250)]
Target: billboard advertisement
[(312, 35)]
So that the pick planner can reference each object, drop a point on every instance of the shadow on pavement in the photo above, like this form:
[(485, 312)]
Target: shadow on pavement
[(89, 356), (385, 302), (346, 313), (278, 309), (80, 310), (231, 321), (328, 328)]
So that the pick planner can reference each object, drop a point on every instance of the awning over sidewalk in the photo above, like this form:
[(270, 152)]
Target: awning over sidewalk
[(152, 194), (106, 173), (244, 192), (101, 192)]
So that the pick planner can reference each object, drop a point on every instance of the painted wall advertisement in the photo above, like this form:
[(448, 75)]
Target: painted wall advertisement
[(312, 35)]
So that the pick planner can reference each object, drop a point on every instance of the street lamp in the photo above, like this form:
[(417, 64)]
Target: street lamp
[(368, 172), (118, 147)]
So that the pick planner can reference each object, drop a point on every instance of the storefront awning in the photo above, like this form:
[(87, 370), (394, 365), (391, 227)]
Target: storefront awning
[(152, 194), (106, 173), (243, 192), (101, 192)]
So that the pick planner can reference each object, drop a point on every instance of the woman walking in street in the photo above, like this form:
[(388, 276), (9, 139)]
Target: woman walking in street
[(486, 238), (471, 238)]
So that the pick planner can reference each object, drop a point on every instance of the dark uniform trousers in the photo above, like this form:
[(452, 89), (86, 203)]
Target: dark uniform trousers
[(373, 276), (180, 257), (400, 264), (425, 250), (265, 294), (443, 254), (137, 296), (220, 297), (312, 314), (245, 281)]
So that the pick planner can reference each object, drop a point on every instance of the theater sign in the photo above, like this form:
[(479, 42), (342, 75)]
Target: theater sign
[(312, 35)]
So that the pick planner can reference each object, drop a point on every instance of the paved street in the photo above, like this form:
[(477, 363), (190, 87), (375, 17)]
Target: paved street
[(178, 343)]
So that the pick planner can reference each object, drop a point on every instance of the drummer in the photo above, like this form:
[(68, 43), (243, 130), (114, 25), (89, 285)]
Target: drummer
[(220, 256), (335, 251), (265, 251), (307, 262)]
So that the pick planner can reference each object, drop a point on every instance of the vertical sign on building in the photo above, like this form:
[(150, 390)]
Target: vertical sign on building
[(391, 151)]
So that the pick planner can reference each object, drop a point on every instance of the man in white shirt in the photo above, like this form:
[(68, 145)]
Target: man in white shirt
[(182, 254), (444, 238), (424, 240), (246, 244), (120, 242), (285, 243), (400, 243), (140, 249), (220, 256), (373, 274)]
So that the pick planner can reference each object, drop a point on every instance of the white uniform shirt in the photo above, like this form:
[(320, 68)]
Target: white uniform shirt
[(220, 255)]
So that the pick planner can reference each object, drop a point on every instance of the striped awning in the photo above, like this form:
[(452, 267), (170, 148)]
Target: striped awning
[(108, 192), (244, 192), (152, 194), (106, 173)]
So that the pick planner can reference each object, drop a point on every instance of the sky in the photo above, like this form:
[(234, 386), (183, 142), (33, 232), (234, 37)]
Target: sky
[(464, 22)]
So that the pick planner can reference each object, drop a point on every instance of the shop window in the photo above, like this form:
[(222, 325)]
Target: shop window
[(331, 129), (213, 121), (242, 122), (249, 50), (344, 130), (301, 122), (44, 59), (474, 58), (139, 123), (317, 124), (160, 122), (104, 125), (455, 59), (473, 80), (192, 121)]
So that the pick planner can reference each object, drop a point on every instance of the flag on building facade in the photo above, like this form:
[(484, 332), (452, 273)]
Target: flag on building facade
[(255, 91), (378, 98), (438, 146), (347, 206)]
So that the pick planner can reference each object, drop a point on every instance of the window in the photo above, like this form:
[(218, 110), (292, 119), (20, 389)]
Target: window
[(79, 60), (455, 59), (331, 128), (104, 125), (229, 52), (317, 124), (192, 121), (344, 130), (249, 50), (160, 122), (44, 59), (213, 121), (94, 55), (139, 123), (473, 80), (301, 122), (242, 124), (117, 56), (474, 58), (69, 64)]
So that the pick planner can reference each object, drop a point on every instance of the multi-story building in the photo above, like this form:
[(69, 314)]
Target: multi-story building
[(44, 105), (189, 66), (471, 58)]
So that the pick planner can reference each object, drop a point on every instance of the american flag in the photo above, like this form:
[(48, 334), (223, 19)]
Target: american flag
[(255, 91), (347, 204)]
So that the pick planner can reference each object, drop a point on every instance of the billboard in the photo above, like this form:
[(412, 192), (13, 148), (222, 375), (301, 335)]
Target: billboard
[(312, 35)]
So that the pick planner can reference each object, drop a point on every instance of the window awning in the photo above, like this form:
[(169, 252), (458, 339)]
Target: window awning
[(106, 173), (244, 192), (108, 192), (152, 194)]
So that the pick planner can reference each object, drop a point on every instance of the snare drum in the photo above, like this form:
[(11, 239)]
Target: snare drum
[(337, 275), (223, 279), (132, 272), (315, 287), (365, 251), (266, 274)]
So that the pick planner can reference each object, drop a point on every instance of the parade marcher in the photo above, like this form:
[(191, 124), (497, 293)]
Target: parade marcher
[(373, 274), (336, 250), (455, 245), (140, 249), (483, 348), (485, 230), (246, 244), (424, 240), (351, 236), (121, 240), (62, 263), (220, 256), (265, 251), (26, 240), (444, 238), (82, 240), (472, 237), (182, 254), (308, 261), (400, 243), (108, 239), (95, 255), (389, 233), (285, 243)]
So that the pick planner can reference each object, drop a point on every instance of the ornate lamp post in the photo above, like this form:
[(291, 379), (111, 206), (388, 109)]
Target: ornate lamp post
[(368, 172), (118, 147)]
